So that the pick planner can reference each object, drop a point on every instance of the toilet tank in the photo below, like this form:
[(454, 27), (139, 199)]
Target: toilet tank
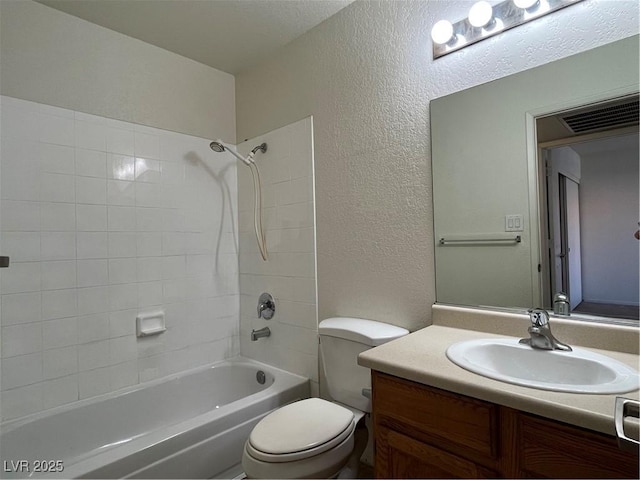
[(342, 339)]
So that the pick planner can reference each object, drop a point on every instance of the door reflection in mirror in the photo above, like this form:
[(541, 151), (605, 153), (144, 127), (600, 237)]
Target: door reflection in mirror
[(591, 203)]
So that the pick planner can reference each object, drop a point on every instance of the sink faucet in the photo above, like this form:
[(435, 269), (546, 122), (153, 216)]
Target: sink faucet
[(540, 332), (263, 332)]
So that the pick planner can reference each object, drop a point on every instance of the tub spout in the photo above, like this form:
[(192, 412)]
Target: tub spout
[(263, 332)]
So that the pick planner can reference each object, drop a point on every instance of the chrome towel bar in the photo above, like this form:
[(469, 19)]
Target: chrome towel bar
[(447, 241)]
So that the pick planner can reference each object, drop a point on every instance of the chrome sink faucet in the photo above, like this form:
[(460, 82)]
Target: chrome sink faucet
[(540, 332)]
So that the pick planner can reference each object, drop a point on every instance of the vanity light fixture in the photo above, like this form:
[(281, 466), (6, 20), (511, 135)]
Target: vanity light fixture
[(485, 20), (526, 4), (442, 32), (481, 14)]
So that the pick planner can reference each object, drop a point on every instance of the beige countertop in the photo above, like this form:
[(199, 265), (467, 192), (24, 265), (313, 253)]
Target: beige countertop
[(420, 357)]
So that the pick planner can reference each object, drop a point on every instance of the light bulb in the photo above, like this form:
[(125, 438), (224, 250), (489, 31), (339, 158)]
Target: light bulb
[(442, 32), (525, 4), (480, 14)]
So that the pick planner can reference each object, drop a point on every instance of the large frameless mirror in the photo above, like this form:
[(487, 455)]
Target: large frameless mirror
[(527, 206)]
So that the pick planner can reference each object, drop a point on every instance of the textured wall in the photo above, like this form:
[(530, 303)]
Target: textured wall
[(367, 76), (53, 58)]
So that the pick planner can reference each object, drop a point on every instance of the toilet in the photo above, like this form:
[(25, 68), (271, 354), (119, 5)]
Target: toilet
[(316, 438)]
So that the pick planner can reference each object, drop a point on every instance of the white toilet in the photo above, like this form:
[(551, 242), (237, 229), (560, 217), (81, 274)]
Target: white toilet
[(315, 438)]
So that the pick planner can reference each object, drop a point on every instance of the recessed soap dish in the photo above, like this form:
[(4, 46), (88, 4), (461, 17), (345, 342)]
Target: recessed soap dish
[(150, 324)]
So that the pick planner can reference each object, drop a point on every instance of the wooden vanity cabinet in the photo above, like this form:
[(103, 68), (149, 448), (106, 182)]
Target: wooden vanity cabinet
[(425, 432)]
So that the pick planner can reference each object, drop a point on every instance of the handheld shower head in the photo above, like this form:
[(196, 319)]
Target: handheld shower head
[(217, 147), (220, 147)]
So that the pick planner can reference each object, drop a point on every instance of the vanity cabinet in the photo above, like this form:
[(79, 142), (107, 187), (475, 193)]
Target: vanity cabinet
[(425, 432)]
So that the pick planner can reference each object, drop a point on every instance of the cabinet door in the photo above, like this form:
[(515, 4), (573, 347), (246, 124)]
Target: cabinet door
[(554, 450), (399, 456)]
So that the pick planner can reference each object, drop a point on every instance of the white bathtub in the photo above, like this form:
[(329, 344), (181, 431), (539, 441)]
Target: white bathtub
[(189, 425)]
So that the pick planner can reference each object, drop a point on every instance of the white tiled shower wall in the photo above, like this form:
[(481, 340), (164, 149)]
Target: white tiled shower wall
[(289, 275), (103, 220)]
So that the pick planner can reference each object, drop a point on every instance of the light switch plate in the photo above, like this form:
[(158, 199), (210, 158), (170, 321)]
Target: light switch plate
[(513, 223)]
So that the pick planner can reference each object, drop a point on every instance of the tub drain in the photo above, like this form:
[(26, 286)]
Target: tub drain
[(261, 377)]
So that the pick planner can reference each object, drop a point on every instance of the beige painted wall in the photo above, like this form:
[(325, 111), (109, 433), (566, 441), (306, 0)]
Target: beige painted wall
[(367, 76), (50, 57)]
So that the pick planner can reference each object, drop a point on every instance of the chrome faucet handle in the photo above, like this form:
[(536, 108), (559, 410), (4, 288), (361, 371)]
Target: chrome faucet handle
[(540, 335), (266, 306), (539, 317)]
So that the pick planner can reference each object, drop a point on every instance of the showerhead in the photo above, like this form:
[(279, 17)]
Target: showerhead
[(217, 147), (220, 147)]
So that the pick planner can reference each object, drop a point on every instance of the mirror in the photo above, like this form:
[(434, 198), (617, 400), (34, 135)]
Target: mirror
[(491, 219)]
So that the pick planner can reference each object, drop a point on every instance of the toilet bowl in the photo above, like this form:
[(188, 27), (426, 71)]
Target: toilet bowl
[(310, 438), (316, 438)]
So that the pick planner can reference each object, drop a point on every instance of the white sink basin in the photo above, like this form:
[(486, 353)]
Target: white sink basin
[(578, 371)]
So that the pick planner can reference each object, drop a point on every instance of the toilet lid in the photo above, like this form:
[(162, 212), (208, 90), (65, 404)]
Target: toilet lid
[(300, 426)]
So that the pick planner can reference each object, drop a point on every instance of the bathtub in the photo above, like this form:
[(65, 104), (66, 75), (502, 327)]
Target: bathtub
[(189, 425)]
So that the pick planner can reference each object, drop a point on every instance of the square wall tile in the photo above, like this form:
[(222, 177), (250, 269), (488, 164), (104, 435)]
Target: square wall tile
[(23, 246), (21, 308), (92, 245), (55, 129), (122, 270), (22, 370), (58, 275), (59, 303), (147, 145), (58, 217), (120, 141), (122, 244), (90, 163), (57, 188), (58, 333), (123, 375), (92, 273), (93, 300), (58, 245), (120, 192), (20, 216), (94, 382), (91, 191), (91, 218), (57, 159), (21, 339), (91, 136), (60, 391), (92, 328), (123, 296), (60, 362), (121, 167), (121, 219), (93, 355), (22, 401), (21, 277)]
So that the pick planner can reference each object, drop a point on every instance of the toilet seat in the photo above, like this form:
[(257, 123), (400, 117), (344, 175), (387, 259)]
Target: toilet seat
[(300, 430)]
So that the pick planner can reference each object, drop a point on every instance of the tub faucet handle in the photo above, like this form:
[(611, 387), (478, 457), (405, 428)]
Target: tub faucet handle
[(266, 306)]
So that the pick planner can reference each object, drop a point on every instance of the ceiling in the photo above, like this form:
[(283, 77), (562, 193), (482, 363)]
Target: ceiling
[(230, 35)]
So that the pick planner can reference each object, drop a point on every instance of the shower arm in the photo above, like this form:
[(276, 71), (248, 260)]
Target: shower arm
[(247, 161)]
